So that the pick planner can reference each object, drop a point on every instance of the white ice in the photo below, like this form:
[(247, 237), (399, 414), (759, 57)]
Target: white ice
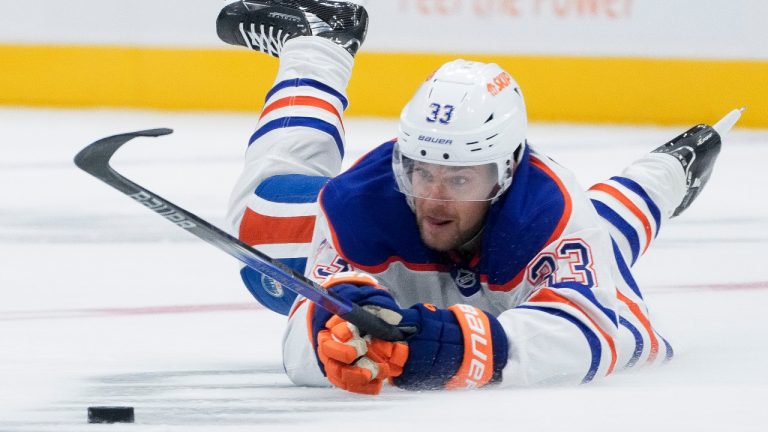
[(104, 303)]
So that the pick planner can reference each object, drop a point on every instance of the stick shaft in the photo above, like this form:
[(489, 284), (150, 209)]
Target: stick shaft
[(94, 160)]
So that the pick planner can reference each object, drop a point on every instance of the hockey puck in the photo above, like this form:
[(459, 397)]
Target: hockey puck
[(110, 414)]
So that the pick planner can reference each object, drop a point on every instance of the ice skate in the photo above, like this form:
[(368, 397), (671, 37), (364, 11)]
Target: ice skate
[(696, 150), (266, 25)]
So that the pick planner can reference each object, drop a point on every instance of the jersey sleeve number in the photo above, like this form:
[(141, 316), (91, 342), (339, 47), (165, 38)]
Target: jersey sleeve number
[(572, 262)]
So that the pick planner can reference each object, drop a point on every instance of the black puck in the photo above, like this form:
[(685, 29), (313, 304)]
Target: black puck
[(110, 414)]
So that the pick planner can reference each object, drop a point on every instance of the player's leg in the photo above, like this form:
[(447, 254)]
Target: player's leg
[(633, 206), (655, 188), (299, 139)]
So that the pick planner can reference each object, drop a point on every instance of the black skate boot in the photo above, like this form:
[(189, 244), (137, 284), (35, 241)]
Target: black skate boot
[(265, 25), (697, 150)]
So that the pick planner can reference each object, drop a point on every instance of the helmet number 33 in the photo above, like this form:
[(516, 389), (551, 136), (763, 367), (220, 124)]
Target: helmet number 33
[(440, 113)]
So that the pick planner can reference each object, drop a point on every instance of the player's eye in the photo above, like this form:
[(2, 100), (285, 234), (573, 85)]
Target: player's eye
[(458, 181), (422, 174)]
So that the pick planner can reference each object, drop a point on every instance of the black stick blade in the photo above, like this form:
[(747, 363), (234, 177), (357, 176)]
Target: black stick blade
[(96, 156)]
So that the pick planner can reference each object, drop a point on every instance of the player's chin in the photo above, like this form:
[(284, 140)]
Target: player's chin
[(442, 238)]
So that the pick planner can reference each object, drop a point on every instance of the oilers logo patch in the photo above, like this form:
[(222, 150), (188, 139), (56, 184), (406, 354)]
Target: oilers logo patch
[(466, 281), (272, 287)]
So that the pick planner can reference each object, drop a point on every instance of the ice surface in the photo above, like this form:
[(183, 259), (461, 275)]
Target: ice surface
[(104, 303)]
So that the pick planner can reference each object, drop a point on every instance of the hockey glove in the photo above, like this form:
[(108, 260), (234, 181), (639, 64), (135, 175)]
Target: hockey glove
[(458, 347), (350, 361)]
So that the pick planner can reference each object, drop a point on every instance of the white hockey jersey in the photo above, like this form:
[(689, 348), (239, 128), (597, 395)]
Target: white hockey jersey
[(554, 265)]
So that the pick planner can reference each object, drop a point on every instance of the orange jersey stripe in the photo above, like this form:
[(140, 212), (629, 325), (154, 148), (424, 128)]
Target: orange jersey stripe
[(561, 224), (547, 295), (644, 321), (258, 229), (302, 101), (567, 203), (612, 191)]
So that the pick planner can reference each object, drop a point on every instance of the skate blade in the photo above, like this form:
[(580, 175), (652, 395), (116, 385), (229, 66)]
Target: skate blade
[(726, 123)]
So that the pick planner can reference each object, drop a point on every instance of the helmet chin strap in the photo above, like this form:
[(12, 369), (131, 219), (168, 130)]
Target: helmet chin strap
[(472, 245), (411, 202)]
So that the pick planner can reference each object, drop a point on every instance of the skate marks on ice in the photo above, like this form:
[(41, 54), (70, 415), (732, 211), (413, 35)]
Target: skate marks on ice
[(700, 253), (237, 396), (727, 230), (33, 227), (58, 314), (206, 399)]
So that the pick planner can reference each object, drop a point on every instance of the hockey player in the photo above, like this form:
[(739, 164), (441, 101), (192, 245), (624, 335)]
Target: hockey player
[(500, 267)]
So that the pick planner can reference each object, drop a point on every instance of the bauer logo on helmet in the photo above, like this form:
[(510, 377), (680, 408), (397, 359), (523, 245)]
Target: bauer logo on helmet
[(435, 140)]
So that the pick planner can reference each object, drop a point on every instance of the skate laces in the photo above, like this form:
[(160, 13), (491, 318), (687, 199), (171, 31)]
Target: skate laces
[(266, 39)]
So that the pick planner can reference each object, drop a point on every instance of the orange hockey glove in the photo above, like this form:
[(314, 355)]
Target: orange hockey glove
[(349, 360)]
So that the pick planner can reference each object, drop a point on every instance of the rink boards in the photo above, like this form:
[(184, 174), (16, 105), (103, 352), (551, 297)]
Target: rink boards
[(624, 61)]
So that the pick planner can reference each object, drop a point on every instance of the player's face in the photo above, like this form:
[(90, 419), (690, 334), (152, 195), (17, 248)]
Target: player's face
[(445, 221)]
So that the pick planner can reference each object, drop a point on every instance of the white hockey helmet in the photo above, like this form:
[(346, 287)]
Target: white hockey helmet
[(466, 114)]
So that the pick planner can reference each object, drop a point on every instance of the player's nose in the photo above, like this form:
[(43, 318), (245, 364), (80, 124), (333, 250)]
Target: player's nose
[(437, 191), (438, 208)]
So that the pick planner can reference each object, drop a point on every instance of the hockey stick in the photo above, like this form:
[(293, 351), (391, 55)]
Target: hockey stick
[(94, 160)]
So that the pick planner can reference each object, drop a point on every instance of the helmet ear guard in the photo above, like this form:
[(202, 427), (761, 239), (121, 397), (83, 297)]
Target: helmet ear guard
[(465, 114)]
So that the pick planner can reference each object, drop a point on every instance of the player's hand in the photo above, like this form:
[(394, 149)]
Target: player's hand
[(351, 361), (458, 347)]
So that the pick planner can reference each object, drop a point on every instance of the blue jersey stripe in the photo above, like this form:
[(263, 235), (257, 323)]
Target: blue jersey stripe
[(624, 270), (670, 351), (638, 342), (622, 225), (589, 295), (636, 188), (592, 339), (309, 122), (306, 82), (291, 188)]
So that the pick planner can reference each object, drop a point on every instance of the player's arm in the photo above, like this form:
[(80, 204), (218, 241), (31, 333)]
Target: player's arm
[(582, 317), (566, 328), (457, 347), (463, 346)]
